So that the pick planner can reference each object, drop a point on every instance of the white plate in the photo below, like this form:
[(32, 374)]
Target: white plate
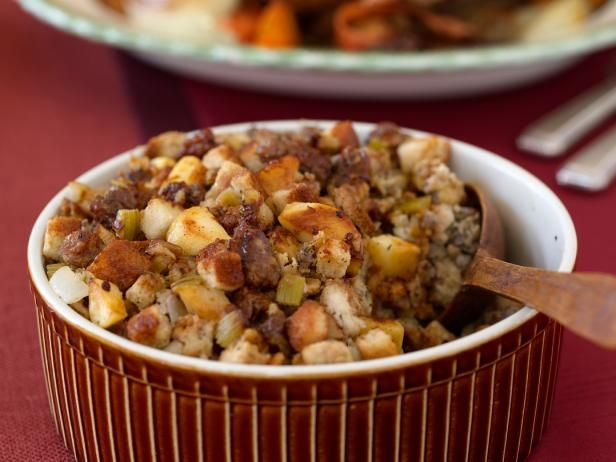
[(330, 73)]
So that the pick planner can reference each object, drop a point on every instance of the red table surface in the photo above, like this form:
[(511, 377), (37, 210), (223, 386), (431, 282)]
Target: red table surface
[(66, 105)]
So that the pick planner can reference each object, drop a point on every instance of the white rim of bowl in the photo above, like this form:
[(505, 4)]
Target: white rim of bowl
[(590, 39), (115, 164)]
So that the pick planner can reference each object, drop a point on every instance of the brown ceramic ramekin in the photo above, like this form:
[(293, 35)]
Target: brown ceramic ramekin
[(484, 397)]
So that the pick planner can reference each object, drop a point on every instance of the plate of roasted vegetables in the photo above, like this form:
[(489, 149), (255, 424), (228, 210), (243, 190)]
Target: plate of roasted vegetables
[(361, 48)]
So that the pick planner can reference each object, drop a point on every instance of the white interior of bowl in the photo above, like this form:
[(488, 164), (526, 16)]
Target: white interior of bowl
[(538, 227)]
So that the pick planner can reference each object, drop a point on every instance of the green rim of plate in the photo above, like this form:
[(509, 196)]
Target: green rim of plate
[(326, 60)]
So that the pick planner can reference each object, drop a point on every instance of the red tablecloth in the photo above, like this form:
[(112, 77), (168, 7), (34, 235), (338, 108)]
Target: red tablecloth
[(65, 105)]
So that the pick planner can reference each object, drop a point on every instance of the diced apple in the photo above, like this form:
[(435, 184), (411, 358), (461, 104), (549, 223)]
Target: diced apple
[(394, 256), (157, 217), (106, 305), (279, 174), (188, 169), (205, 302), (194, 229), (307, 219)]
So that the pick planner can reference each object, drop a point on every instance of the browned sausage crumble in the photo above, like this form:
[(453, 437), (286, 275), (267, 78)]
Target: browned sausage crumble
[(303, 247)]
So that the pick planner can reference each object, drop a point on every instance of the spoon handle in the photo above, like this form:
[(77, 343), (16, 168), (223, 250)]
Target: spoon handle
[(584, 303)]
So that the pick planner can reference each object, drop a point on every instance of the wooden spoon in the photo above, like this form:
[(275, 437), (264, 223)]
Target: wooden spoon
[(584, 303)]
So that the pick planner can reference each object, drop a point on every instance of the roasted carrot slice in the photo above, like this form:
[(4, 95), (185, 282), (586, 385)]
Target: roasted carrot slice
[(277, 26), (243, 22)]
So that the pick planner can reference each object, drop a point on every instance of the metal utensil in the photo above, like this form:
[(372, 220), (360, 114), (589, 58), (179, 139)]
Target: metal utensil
[(556, 132), (594, 167)]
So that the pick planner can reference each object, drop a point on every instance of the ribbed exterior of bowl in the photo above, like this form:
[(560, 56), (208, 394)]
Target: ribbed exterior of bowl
[(489, 403)]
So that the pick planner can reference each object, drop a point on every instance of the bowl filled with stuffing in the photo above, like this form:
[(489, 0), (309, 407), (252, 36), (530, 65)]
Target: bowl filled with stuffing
[(357, 49), (274, 290)]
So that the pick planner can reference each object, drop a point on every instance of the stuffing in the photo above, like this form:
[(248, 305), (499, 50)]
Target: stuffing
[(168, 144), (247, 349), (157, 217), (309, 324), (342, 303), (312, 246), (58, 228), (193, 336), (220, 267), (149, 327), (143, 292), (326, 352), (333, 258), (376, 343), (121, 262)]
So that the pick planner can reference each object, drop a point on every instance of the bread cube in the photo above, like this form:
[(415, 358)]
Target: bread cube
[(326, 352), (57, 230), (168, 144), (376, 343), (149, 327), (333, 258), (219, 267), (143, 292)]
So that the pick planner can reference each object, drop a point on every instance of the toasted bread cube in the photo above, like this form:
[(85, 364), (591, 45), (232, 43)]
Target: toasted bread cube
[(309, 324), (161, 163), (414, 151), (250, 158), (57, 230), (157, 217), (333, 258), (121, 262), (340, 135), (106, 306), (435, 334), (391, 327), (248, 349), (306, 219), (228, 172), (376, 343), (395, 257), (188, 169), (192, 336), (150, 327), (342, 303), (214, 158), (283, 242), (326, 352), (168, 144), (219, 267), (143, 292), (194, 229), (203, 301), (279, 174)]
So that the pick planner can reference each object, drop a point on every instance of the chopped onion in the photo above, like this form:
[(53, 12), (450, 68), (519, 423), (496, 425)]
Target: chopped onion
[(69, 287)]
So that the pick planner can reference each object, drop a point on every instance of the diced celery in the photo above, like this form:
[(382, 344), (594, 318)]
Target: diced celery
[(290, 290), (126, 224), (52, 268), (229, 328), (416, 204)]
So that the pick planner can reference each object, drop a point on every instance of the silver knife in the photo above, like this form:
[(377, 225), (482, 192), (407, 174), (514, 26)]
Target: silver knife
[(594, 167), (557, 131)]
